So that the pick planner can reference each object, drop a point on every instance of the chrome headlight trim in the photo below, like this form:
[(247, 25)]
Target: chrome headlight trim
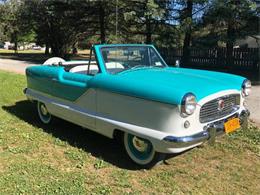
[(188, 104), (246, 88)]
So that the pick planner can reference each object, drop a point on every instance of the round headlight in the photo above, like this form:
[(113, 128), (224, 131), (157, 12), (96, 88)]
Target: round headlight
[(246, 88), (188, 105)]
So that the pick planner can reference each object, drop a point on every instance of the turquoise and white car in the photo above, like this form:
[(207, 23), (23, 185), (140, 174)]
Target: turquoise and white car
[(127, 91)]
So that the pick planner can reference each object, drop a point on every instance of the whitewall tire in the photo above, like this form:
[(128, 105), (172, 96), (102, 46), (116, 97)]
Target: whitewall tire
[(43, 113), (141, 151)]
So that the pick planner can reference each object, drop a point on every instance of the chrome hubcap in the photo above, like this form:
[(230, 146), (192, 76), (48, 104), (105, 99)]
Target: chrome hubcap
[(140, 144), (44, 110)]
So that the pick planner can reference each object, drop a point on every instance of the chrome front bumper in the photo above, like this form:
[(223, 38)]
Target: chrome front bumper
[(209, 134)]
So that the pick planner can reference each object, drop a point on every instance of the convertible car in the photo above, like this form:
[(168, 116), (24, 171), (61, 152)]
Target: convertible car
[(127, 91)]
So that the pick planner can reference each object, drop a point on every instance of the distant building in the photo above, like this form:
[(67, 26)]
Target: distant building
[(8, 45), (22, 46), (248, 42)]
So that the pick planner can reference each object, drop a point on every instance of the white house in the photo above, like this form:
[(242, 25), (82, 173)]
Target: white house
[(249, 42)]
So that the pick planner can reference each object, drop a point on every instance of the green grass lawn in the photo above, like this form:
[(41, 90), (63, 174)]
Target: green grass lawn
[(65, 159)]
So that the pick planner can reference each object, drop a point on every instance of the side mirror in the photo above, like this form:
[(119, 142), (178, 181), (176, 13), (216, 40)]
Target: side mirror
[(177, 63)]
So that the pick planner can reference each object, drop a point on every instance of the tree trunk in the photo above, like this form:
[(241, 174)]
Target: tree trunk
[(47, 49), (187, 39), (230, 44), (148, 31), (74, 48), (102, 24), (58, 50), (15, 46)]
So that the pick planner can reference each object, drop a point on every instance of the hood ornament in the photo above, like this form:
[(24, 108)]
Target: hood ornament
[(221, 105)]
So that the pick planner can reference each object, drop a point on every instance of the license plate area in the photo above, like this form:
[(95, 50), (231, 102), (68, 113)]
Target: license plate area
[(231, 125)]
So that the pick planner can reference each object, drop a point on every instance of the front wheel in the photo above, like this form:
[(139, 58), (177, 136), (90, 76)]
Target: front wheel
[(43, 113), (141, 151)]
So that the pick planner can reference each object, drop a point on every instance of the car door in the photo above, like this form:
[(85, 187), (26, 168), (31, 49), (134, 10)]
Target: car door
[(73, 88)]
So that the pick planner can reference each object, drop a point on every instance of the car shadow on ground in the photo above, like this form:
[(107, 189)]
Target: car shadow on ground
[(97, 145)]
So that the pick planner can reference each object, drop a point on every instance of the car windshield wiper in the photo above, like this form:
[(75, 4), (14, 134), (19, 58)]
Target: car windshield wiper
[(144, 66), (138, 66)]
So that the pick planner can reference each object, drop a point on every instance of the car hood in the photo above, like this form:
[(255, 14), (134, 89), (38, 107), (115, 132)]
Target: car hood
[(167, 85)]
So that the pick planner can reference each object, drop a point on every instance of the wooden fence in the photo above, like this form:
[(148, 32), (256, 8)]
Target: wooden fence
[(244, 59)]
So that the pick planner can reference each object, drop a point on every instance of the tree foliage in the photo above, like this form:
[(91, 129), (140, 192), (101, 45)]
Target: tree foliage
[(63, 24), (230, 20), (11, 25)]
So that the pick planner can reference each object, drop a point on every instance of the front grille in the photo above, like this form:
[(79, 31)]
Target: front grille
[(211, 110)]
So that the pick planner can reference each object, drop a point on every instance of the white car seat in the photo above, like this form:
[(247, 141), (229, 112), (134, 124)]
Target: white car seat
[(83, 69), (54, 61), (112, 65)]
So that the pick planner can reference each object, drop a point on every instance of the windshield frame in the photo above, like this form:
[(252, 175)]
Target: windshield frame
[(149, 47)]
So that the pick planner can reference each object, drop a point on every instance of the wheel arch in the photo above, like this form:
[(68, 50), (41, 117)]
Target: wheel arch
[(118, 135)]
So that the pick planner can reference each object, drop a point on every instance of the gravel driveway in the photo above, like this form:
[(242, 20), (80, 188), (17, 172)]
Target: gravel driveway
[(253, 101), (253, 104), (14, 65)]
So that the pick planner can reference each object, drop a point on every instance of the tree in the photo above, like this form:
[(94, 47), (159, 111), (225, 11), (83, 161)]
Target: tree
[(231, 20), (187, 14), (58, 24), (186, 20), (61, 24), (13, 28), (143, 17)]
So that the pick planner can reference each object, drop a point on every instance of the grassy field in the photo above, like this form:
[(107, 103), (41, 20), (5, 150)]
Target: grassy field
[(66, 159)]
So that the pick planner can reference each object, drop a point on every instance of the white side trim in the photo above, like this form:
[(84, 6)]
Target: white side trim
[(83, 117), (108, 111), (66, 110)]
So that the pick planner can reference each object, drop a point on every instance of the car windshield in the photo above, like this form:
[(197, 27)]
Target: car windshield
[(122, 58)]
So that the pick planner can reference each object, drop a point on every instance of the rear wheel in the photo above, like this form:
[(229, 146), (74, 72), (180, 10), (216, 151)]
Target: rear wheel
[(141, 151), (43, 113)]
